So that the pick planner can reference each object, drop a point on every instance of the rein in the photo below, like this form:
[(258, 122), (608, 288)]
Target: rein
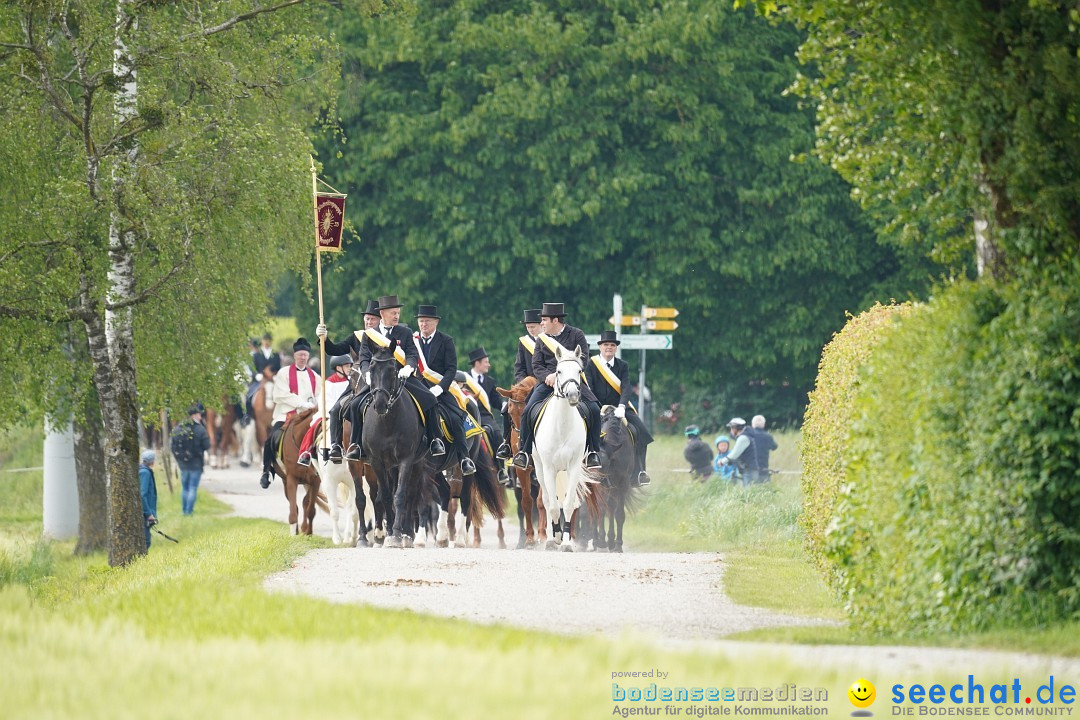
[(392, 396)]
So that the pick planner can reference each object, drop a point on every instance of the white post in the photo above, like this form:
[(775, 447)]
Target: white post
[(616, 304), (60, 498)]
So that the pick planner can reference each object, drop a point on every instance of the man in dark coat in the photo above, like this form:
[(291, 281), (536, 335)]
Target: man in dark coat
[(438, 353), (398, 336), (480, 376), (608, 376), (351, 347), (523, 368), (764, 443), (262, 357), (544, 364)]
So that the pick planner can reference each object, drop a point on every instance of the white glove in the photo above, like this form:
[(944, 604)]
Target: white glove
[(405, 372), (620, 412), (437, 390), (725, 461), (320, 330), (307, 405), (367, 378)]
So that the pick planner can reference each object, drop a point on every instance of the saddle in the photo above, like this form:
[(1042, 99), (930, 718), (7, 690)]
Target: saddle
[(538, 410)]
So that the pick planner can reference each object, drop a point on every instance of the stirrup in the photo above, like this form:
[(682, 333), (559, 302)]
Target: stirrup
[(264, 481), (354, 454), (437, 448), (643, 478), (324, 454), (592, 461), (304, 459), (336, 453), (521, 460), (468, 467), (503, 453)]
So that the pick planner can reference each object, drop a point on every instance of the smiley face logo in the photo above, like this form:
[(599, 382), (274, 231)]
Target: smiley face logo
[(862, 693)]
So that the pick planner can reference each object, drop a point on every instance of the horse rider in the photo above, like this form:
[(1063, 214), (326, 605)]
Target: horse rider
[(608, 376), (295, 388), (337, 383), (544, 365), (262, 357), (344, 406), (438, 353), (398, 336), (479, 378), (743, 453), (523, 368)]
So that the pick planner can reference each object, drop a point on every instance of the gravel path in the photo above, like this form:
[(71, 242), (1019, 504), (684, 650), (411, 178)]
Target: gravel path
[(673, 599)]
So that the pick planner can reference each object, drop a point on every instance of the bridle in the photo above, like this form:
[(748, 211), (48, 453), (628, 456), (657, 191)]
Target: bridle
[(392, 395), (560, 388), (512, 401)]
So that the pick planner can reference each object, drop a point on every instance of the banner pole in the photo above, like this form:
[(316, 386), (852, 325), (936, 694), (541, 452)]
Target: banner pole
[(322, 321)]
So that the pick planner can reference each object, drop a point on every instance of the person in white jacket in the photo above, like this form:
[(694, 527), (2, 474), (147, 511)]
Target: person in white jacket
[(296, 388)]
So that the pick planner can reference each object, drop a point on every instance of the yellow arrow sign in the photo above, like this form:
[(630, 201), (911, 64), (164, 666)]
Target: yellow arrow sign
[(662, 325), (625, 320), (651, 312)]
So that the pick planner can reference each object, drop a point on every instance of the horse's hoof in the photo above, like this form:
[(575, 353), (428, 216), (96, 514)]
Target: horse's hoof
[(567, 547), (407, 542), (392, 541), (502, 545), (362, 543), (442, 543), (294, 530), (616, 549), (551, 545), (529, 544), (419, 542), (244, 464), (521, 544)]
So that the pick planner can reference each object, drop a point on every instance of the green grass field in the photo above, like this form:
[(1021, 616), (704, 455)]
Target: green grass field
[(188, 630)]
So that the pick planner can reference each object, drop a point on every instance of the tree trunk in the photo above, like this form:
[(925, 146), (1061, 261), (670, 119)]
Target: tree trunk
[(90, 480), (113, 346)]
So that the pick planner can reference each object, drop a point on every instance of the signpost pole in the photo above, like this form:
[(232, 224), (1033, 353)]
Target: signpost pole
[(643, 407), (616, 303)]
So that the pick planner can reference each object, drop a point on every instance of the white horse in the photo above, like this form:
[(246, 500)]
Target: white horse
[(559, 448), (337, 483)]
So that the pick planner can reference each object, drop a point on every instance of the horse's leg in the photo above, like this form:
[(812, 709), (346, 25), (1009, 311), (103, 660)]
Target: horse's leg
[(521, 519), (526, 503), (541, 513), (290, 495), (501, 534), (573, 480), (326, 471), (360, 509), (310, 506), (396, 498), (423, 515), (620, 518)]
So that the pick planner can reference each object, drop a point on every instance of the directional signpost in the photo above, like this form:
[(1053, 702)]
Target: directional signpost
[(651, 318)]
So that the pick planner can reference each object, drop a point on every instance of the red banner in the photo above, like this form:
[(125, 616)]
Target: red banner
[(329, 219)]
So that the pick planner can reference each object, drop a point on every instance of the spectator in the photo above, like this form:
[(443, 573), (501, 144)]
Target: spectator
[(726, 472), (148, 490), (698, 454), (188, 442), (763, 443), (743, 455)]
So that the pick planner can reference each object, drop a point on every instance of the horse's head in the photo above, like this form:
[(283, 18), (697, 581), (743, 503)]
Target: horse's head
[(516, 397), (385, 384), (568, 374), (610, 424)]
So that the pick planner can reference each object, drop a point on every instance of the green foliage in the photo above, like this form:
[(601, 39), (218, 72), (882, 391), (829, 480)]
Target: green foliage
[(499, 156), (220, 202), (941, 111), (960, 508), (825, 431)]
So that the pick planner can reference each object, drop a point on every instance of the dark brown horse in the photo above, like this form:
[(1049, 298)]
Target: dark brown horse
[(469, 495), (527, 493), (219, 425), (619, 465)]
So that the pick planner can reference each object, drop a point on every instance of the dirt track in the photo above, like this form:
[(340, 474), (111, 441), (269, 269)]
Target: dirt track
[(674, 599)]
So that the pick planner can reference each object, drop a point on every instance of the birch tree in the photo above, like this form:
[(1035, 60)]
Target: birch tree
[(168, 143)]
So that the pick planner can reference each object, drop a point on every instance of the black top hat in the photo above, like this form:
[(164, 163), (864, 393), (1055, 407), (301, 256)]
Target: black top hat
[(427, 311), (196, 408), (372, 308), (388, 302), (301, 344), (478, 354), (531, 316), (553, 310), (609, 336)]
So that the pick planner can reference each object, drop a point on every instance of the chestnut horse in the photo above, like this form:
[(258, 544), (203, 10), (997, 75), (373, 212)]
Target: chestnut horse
[(253, 436), (221, 447), (516, 397), (295, 474)]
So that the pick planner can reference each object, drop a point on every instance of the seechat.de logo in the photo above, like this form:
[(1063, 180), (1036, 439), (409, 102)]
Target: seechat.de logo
[(862, 695)]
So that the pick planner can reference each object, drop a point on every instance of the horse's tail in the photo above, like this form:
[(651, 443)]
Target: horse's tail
[(486, 489), (634, 498), (591, 492), (320, 501)]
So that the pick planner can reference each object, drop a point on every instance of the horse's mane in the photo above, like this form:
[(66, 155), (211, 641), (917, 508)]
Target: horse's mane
[(527, 383)]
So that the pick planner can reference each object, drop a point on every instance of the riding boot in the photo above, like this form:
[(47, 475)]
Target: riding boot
[(335, 453), (521, 460), (503, 453), (642, 477), (356, 439), (268, 462), (438, 449)]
